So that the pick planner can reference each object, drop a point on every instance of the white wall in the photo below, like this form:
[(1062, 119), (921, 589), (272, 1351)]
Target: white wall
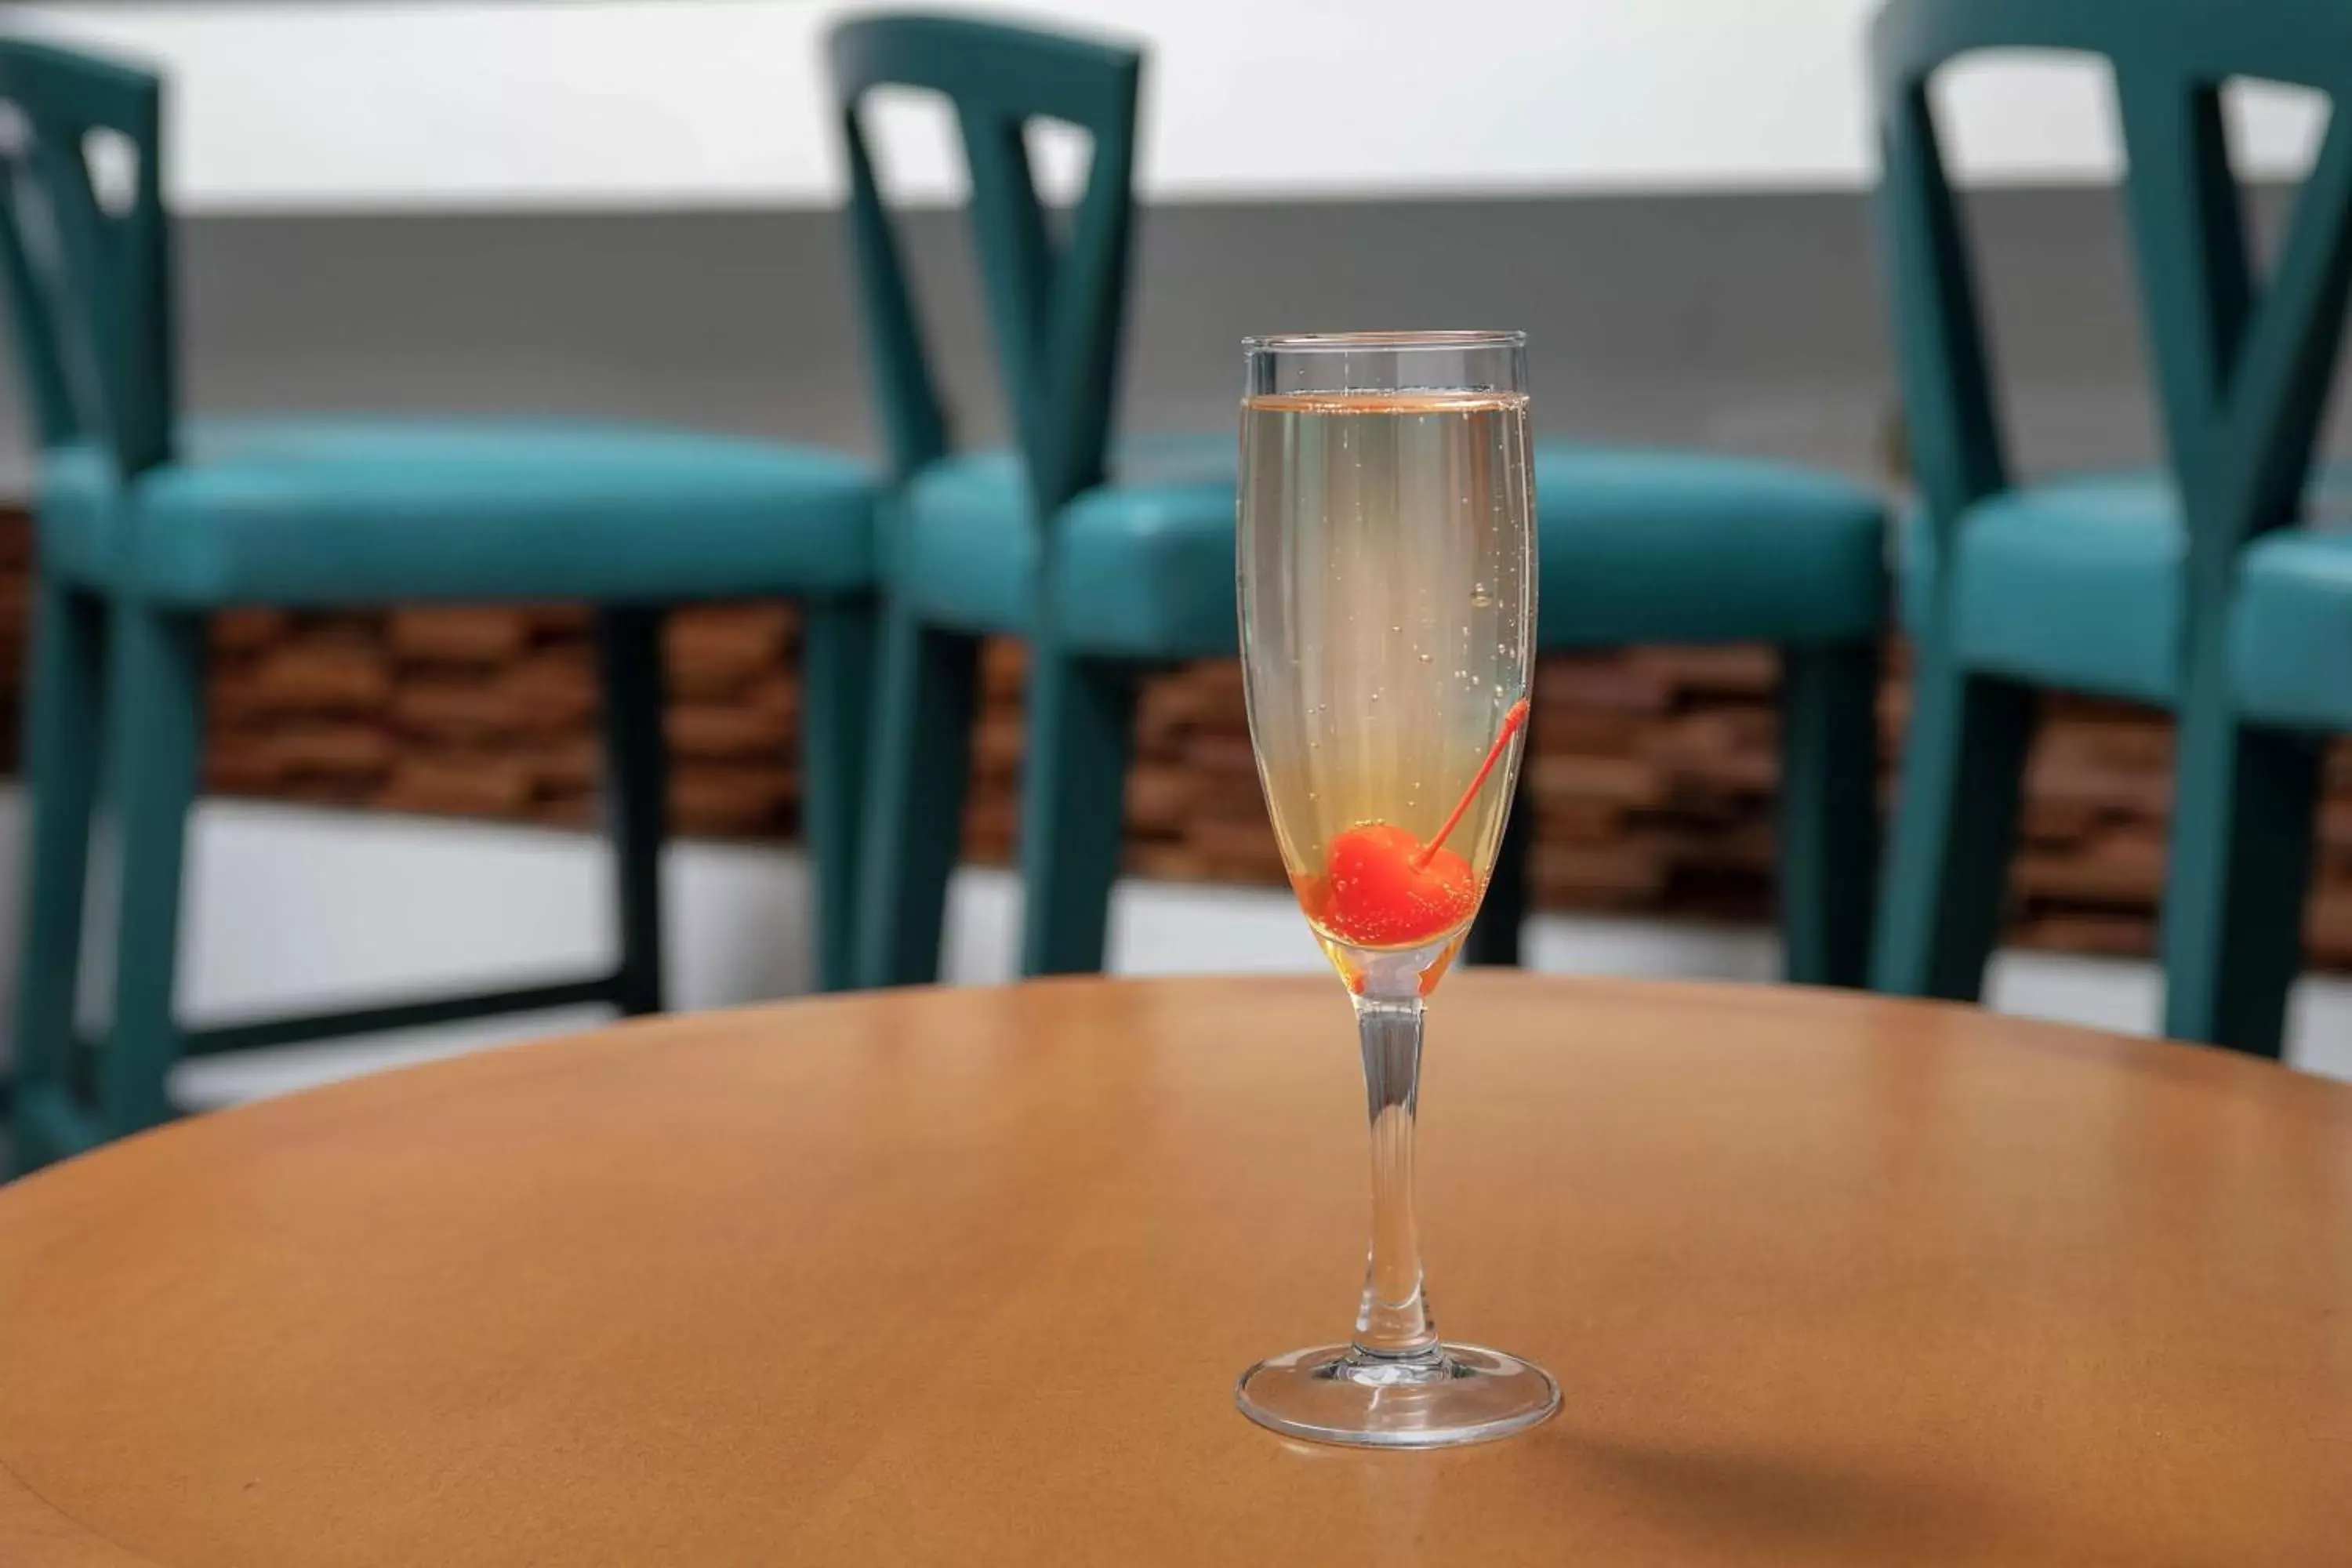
[(655, 103)]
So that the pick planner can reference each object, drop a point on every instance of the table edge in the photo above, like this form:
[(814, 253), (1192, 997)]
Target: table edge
[(537, 1052)]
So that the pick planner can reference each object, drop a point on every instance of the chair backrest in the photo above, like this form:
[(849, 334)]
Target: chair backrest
[(1056, 308), (87, 265), (2242, 370)]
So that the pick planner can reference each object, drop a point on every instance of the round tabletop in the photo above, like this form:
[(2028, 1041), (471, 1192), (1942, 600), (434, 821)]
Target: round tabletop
[(967, 1275)]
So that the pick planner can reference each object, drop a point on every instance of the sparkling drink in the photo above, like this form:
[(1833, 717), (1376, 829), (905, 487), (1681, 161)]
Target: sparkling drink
[(1388, 605)]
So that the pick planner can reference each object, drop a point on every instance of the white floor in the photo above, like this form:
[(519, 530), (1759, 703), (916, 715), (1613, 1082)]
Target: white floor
[(293, 908)]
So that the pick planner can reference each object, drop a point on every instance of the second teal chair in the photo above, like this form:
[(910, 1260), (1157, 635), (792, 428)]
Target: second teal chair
[(1104, 561), (1110, 558), (147, 522), (2201, 586)]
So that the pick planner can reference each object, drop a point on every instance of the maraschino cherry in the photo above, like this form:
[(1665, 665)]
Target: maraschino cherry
[(1381, 887)]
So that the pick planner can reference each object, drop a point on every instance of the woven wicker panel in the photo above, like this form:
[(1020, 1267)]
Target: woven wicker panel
[(1653, 784)]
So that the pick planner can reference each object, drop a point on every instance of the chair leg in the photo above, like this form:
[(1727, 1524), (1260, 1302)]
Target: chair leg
[(156, 714), (1947, 873), (2243, 804), (836, 685), (1502, 915), (918, 768), (1081, 730), (636, 793), (1829, 811), (62, 734)]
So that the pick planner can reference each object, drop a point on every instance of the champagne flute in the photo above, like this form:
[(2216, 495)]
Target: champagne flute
[(1387, 613)]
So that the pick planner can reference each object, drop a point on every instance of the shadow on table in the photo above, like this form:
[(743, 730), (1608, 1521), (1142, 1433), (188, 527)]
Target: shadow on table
[(1767, 1501)]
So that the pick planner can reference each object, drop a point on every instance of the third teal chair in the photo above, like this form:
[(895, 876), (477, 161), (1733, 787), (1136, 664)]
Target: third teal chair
[(2201, 586)]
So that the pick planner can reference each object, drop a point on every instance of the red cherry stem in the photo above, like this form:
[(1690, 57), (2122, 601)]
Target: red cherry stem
[(1511, 722)]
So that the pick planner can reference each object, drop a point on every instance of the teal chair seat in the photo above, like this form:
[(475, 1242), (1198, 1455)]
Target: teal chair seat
[(1637, 546), (2077, 582), (346, 511), (2291, 640), (1146, 567), (1647, 546)]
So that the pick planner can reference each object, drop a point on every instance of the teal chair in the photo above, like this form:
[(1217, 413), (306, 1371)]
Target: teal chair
[(1104, 562), (146, 523), (2198, 586), (1110, 557), (1654, 546)]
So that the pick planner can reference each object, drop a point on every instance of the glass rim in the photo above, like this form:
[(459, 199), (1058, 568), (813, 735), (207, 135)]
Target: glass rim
[(1357, 342)]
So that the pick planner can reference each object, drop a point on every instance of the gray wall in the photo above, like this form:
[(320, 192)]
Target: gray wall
[(1737, 322)]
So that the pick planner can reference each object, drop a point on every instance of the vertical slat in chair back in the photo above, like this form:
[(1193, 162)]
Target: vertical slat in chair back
[(1056, 308), (85, 245)]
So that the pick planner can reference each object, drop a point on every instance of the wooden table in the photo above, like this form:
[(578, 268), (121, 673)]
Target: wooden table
[(965, 1277)]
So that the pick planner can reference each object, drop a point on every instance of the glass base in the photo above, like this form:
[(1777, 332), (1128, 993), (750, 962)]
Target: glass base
[(1450, 1395)]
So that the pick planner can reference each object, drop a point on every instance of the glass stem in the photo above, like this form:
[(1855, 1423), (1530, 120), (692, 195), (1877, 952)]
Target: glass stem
[(1393, 1323)]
